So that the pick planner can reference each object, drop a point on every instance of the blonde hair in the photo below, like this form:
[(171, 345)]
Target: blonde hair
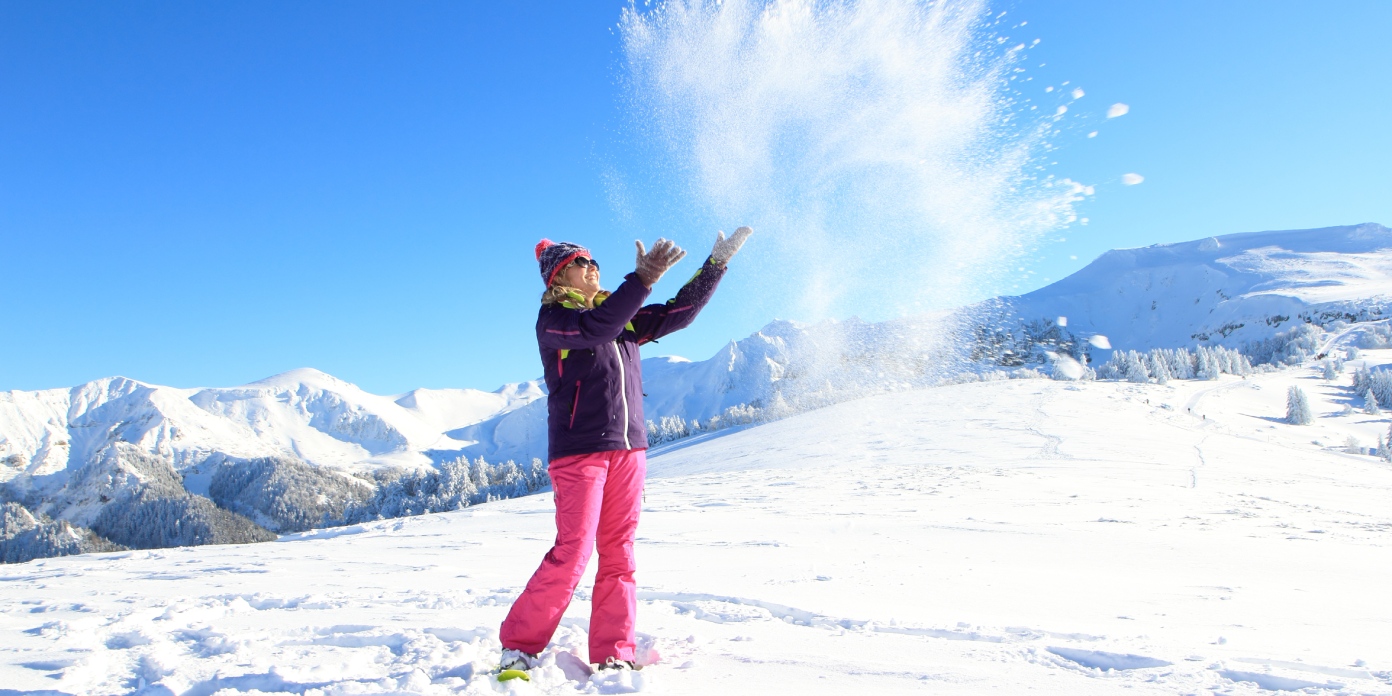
[(558, 293)]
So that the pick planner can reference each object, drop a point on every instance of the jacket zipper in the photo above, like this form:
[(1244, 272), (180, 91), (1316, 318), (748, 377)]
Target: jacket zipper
[(623, 394), (575, 406)]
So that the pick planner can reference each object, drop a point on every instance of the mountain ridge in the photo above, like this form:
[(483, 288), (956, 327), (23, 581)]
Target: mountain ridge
[(1225, 290), (304, 424)]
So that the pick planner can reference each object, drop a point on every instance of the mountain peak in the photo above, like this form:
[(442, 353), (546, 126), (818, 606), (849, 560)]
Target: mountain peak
[(1225, 290), (302, 375)]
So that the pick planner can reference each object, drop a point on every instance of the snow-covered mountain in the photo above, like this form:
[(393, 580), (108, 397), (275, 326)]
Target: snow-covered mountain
[(113, 450), (308, 416), (303, 413), (308, 436), (784, 364), (1224, 290)]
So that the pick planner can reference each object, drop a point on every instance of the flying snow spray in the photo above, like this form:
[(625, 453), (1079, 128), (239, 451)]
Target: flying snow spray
[(885, 151)]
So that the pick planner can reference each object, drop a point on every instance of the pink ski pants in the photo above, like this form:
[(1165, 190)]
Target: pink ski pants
[(598, 497)]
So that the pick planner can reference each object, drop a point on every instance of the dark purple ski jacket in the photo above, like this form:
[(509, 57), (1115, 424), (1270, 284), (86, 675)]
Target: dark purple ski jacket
[(593, 374)]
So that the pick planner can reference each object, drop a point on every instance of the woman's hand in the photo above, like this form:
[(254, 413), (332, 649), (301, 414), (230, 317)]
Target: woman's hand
[(652, 264), (725, 249)]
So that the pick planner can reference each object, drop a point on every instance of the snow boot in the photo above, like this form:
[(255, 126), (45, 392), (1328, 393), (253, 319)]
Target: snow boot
[(514, 665), (619, 665)]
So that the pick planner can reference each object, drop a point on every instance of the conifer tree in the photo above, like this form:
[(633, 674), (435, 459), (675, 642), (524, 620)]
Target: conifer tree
[(1207, 366), (1298, 407), (1136, 370)]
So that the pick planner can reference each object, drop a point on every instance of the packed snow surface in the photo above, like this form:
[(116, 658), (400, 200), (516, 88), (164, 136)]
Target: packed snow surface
[(1067, 538)]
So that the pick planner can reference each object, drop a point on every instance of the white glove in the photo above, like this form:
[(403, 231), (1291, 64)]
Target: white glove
[(725, 249), (652, 264)]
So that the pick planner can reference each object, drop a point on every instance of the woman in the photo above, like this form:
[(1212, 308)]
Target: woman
[(589, 342)]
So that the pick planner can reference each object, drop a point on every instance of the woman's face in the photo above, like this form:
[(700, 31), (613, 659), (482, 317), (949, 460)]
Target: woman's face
[(582, 278)]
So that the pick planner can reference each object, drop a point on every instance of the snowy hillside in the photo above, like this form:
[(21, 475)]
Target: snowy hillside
[(58, 447), (304, 449), (796, 366), (1011, 536), (1224, 290), (302, 413), (284, 453)]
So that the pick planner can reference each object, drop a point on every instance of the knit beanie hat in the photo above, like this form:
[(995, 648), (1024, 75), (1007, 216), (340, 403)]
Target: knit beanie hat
[(553, 256)]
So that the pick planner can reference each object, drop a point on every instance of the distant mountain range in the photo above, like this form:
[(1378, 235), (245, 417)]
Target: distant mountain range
[(1223, 290)]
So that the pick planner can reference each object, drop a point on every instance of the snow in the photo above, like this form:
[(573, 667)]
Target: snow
[(1069, 538), (304, 413), (315, 417), (1223, 290), (1117, 109), (1131, 179), (450, 409)]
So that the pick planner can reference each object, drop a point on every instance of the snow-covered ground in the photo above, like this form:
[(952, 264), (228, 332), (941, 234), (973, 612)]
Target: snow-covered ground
[(1057, 537)]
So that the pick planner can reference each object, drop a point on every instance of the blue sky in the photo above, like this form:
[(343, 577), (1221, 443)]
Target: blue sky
[(204, 194)]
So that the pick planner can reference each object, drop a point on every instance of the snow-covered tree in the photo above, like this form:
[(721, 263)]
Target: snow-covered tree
[(1298, 407), (1206, 367), (285, 494), (1376, 336), (1135, 368), (1181, 363), (1379, 381), (1224, 358), (1370, 403), (1164, 364), (26, 535), (1159, 366), (1330, 373), (778, 407), (1353, 446), (1245, 364), (1286, 348), (451, 486), (478, 473)]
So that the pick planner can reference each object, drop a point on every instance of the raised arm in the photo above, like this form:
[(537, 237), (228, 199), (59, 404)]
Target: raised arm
[(560, 328), (657, 320)]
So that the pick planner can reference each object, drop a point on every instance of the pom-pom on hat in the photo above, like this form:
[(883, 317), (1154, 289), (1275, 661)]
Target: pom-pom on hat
[(553, 256)]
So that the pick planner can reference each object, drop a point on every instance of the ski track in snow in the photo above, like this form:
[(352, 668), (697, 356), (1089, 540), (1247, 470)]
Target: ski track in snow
[(1007, 536)]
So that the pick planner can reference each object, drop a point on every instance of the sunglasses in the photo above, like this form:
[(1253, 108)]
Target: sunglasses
[(583, 262)]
